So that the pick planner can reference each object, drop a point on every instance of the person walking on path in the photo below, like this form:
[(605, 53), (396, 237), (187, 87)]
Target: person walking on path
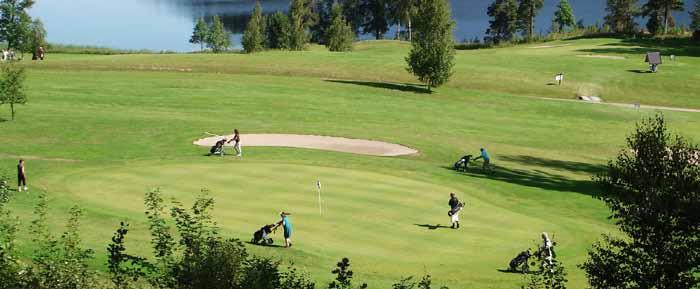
[(455, 207), (236, 142), (21, 176), (287, 226), (487, 160)]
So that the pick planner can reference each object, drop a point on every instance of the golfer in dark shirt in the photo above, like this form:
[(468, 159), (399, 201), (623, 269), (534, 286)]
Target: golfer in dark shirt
[(21, 177), (455, 207)]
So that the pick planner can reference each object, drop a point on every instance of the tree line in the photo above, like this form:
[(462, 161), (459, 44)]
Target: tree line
[(336, 24), (515, 19), (325, 21)]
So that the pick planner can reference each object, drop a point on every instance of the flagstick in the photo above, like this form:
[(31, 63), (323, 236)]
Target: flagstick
[(318, 187)]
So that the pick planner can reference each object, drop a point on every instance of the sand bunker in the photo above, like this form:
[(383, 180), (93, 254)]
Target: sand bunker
[(337, 144), (601, 56)]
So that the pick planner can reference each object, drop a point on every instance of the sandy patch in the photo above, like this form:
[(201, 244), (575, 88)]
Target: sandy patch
[(547, 46), (602, 56), (336, 144)]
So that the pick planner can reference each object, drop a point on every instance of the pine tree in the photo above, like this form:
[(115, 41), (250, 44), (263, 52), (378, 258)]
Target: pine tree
[(432, 56), (301, 17), (323, 10), (376, 17), (527, 11), (402, 12), (695, 16), (621, 15), (340, 35), (564, 16), (352, 9), (276, 31), (503, 23), (219, 39), (254, 35), (200, 33), (662, 9), (655, 22)]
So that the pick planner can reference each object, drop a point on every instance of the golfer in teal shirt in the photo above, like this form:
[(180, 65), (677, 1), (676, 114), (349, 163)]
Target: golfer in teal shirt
[(287, 226), (487, 160)]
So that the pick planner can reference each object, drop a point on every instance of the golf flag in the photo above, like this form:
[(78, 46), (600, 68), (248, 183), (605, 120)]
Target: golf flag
[(318, 187)]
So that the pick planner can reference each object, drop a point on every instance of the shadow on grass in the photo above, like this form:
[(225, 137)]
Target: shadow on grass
[(639, 71), (405, 87), (537, 179), (263, 245), (554, 164), (515, 272), (675, 46), (432, 227)]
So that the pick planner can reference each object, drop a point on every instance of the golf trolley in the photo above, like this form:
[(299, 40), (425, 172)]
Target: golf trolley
[(262, 236), (521, 262), (218, 148), (462, 164)]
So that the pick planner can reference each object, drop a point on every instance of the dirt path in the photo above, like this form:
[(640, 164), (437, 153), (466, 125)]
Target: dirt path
[(627, 105), (602, 56), (337, 144)]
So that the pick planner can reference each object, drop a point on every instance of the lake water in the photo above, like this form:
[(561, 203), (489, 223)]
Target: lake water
[(167, 24)]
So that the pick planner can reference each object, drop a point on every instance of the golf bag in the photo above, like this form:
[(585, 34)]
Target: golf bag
[(463, 163), (654, 68), (520, 262), (261, 237), (218, 148), (455, 210)]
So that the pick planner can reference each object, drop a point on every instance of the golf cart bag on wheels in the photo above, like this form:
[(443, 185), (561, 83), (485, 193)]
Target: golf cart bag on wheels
[(520, 262), (261, 237), (218, 148), (463, 163)]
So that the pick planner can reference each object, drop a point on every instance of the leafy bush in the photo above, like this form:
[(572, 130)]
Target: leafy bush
[(10, 267), (59, 263), (343, 276), (653, 191)]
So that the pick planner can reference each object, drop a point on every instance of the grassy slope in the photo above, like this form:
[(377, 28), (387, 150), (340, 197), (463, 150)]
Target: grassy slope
[(128, 131), (526, 71)]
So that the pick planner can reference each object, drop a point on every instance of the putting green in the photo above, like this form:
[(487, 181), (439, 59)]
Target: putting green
[(378, 221)]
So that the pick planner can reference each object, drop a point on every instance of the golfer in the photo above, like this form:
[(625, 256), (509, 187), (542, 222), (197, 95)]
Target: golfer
[(455, 207), (21, 176), (547, 249), (237, 142), (487, 160), (287, 226)]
